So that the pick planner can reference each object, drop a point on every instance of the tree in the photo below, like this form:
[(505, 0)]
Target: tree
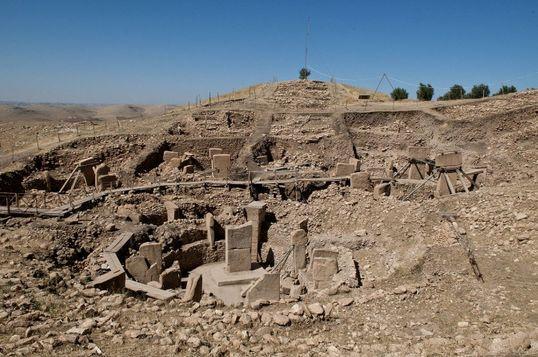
[(479, 91), (424, 92), (304, 73), (399, 94), (506, 89), (455, 92)]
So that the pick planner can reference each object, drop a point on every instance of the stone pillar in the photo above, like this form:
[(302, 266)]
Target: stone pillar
[(356, 163), (324, 266), (265, 288), (238, 246), (153, 253), (213, 152), (448, 162), (343, 169), (86, 168), (221, 165), (210, 226), (172, 211), (361, 180), (299, 240), (256, 214), (418, 171), (100, 170), (169, 155)]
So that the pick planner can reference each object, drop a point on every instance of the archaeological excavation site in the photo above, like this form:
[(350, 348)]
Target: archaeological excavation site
[(291, 218)]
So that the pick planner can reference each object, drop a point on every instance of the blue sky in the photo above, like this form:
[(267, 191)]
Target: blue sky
[(170, 51)]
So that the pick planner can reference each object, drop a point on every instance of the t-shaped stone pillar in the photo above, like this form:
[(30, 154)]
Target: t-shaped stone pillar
[(221, 165), (238, 247), (256, 215), (417, 170), (299, 240)]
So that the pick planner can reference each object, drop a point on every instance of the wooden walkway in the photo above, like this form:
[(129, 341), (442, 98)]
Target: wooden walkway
[(90, 200)]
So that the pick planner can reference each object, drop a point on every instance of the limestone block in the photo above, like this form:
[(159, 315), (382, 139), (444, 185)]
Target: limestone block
[(210, 227), (170, 278), (449, 160), (137, 267), (86, 168), (323, 268), (355, 162), (298, 237), (238, 260), (361, 181), (221, 165), (193, 291), (107, 181), (238, 237), (169, 155), (100, 170), (256, 214), (152, 274), (265, 288), (112, 281), (152, 251), (418, 152), (172, 210), (343, 169), (299, 240), (214, 151)]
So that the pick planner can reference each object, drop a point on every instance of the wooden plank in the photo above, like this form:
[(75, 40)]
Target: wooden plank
[(118, 243), (113, 261), (150, 291)]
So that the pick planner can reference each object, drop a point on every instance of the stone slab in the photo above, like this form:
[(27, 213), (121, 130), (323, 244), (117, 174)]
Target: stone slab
[(449, 160), (119, 242), (238, 260), (418, 152), (361, 181), (265, 288), (169, 155), (137, 267), (150, 291), (112, 281), (344, 169), (221, 165), (238, 237)]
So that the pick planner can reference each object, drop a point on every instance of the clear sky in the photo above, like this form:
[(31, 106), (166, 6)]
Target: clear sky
[(170, 51)]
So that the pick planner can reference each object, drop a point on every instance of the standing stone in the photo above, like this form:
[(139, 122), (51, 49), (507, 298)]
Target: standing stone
[(169, 155), (193, 291), (170, 278), (137, 267), (343, 169), (107, 181), (238, 247), (152, 251), (214, 151), (361, 181), (356, 163), (172, 211), (324, 266), (256, 214), (221, 165), (265, 288), (99, 171), (449, 160), (152, 274), (299, 240), (111, 281), (210, 227), (86, 168), (418, 171)]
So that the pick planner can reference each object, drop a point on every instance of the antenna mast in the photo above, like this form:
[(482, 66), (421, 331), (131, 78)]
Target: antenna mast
[(306, 42)]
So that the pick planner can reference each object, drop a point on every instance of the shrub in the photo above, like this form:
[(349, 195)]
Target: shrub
[(506, 89), (399, 94), (304, 73), (455, 92), (479, 91), (425, 92)]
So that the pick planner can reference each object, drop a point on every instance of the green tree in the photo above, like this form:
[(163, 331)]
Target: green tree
[(399, 94), (479, 91), (424, 92), (304, 73), (455, 92), (506, 89)]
